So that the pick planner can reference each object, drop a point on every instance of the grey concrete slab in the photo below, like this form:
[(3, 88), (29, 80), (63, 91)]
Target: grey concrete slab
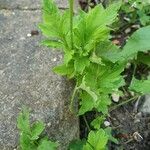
[(29, 4), (145, 107), (26, 78)]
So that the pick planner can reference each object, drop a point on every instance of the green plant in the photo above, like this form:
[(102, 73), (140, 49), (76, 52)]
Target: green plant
[(91, 59), (133, 12), (30, 134)]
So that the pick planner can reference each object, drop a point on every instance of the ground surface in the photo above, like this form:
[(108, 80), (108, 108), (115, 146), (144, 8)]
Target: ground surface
[(131, 125), (26, 76)]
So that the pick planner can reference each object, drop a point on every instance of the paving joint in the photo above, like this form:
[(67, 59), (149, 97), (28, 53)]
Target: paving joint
[(26, 9)]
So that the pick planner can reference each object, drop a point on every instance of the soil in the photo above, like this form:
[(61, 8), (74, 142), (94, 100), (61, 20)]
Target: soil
[(131, 128)]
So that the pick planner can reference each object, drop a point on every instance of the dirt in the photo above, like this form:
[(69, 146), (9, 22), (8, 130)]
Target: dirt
[(131, 128)]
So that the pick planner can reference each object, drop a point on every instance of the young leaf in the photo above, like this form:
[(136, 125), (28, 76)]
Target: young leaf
[(36, 129), (80, 63), (25, 142), (23, 121), (86, 103), (97, 140), (47, 145)]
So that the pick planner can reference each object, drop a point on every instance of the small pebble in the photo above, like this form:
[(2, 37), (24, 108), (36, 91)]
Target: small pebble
[(106, 123), (132, 93), (29, 35), (55, 59), (128, 30), (115, 97), (136, 26), (49, 124), (128, 65)]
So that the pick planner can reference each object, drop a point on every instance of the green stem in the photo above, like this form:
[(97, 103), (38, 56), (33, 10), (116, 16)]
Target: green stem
[(72, 99), (123, 103), (71, 5), (134, 70)]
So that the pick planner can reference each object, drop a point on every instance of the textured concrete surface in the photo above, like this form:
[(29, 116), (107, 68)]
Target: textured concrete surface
[(26, 78), (29, 4), (145, 108)]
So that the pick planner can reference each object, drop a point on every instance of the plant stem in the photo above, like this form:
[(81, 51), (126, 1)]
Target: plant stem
[(123, 103), (72, 99), (88, 127), (71, 5)]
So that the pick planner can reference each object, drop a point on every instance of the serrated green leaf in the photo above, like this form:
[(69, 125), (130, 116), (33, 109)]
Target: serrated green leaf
[(52, 43), (86, 103), (139, 42), (140, 86), (25, 142), (103, 103), (23, 121), (97, 140), (101, 17), (96, 59), (36, 129), (49, 31), (64, 70), (87, 89), (97, 122), (110, 79), (47, 145), (68, 56), (81, 63)]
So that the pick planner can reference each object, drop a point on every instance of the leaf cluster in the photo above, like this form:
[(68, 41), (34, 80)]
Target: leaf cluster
[(30, 134)]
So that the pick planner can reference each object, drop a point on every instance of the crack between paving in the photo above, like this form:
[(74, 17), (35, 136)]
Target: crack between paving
[(26, 9)]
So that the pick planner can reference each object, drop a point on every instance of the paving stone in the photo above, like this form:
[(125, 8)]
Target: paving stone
[(145, 108), (26, 78), (29, 4)]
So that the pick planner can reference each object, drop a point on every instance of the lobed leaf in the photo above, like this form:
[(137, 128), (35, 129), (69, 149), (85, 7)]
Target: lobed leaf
[(97, 140), (140, 86)]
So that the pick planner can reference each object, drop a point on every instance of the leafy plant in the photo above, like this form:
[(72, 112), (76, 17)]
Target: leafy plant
[(133, 12), (30, 134), (91, 59)]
